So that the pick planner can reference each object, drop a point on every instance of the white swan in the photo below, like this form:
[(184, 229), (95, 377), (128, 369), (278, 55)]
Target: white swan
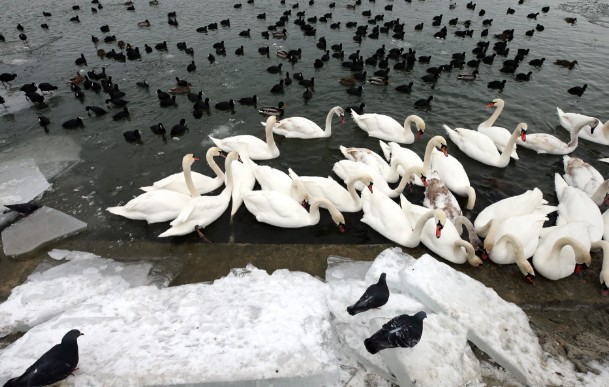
[(202, 183), (575, 206), (452, 173), (372, 159), (561, 249), (272, 179), (438, 196), (388, 129), (280, 210), (600, 135), (405, 158), (499, 135), (300, 127), (347, 169), (525, 203), (386, 217), (159, 205), (256, 148), (584, 176), (243, 181), (449, 246), (481, 148), (546, 143), (526, 228), (202, 211), (345, 200), (517, 250)]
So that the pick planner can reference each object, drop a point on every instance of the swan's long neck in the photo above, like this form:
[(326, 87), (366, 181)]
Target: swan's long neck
[(427, 157), (407, 123), (471, 197), (270, 140), (524, 265), (574, 138), (491, 121), (470, 254), (213, 165), (405, 180), (489, 240), (604, 274), (462, 221), (232, 156), (351, 189), (601, 192), (504, 159), (188, 179), (582, 255), (328, 130), (415, 236)]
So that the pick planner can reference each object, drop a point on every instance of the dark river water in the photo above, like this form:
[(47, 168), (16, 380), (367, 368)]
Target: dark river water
[(112, 170)]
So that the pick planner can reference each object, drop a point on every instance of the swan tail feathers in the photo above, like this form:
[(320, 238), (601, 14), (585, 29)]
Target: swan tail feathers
[(183, 215), (560, 112), (344, 151), (292, 174), (354, 115), (447, 129), (545, 209), (147, 189), (560, 184)]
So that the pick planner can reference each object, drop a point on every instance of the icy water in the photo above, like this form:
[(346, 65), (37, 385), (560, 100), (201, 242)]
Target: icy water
[(112, 170)]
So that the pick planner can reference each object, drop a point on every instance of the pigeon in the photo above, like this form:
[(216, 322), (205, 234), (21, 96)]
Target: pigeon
[(55, 365), (374, 297), (22, 208), (402, 331)]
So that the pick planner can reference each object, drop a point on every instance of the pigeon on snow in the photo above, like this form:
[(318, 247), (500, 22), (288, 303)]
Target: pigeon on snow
[(402, 331), (374, 297)]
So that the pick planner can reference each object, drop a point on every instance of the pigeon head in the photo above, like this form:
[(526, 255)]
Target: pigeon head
[(420, 315), (71, 336)]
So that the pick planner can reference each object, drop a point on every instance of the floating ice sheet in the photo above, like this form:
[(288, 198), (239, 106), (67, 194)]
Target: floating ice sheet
[(249, 327), (21, 181), (43, 226)]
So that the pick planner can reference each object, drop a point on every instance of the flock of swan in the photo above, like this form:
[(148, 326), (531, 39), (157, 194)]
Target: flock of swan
[(512, 228)]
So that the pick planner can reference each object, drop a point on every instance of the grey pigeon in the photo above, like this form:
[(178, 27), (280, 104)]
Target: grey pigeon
[(402, 331), (55, 365), (374, 297)]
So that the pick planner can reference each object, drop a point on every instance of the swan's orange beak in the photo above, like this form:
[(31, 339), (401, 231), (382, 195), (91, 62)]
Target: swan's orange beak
[(604, 290), (370, 187), (490, 104), (341, 227), (195, 158), (419, 134), (342, 120), (523, 135), (439, 228), (484, 255), (444, 150), (424, 180)]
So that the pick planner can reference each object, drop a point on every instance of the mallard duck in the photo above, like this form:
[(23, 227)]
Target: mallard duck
[(378, 80), (282, 54), (272, 110), (280, 34), (77, 79), (468, 76), (180, 90), (565, 63), (348, 81)]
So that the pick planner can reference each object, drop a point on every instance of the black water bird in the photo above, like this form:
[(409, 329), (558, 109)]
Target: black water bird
[(578, 90), (96, 110), (496, 85), (23, 37), (161, 46), (537, 62), (142, 84), (34, 97), (278, 88), (523, 76), (53, 366), (357, 109), (122, 114), (565, 63), (201, 105), (44, 86), (191, 67), (116, 102), (158, 129), (239, 51), (375, 296), (357, 91), (162, 95), (132, 135), (168, 101), (403, 331), (44, 122), (424, 103), (7, 77), (179, 129), (22, 208), (248, 100), (225, 105), (73, 123), (307, 94), (194, 97)]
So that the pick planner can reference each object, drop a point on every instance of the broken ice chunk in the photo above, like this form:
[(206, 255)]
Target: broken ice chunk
[(497, 327), (442, 357), (21, 181), (41, 227)]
